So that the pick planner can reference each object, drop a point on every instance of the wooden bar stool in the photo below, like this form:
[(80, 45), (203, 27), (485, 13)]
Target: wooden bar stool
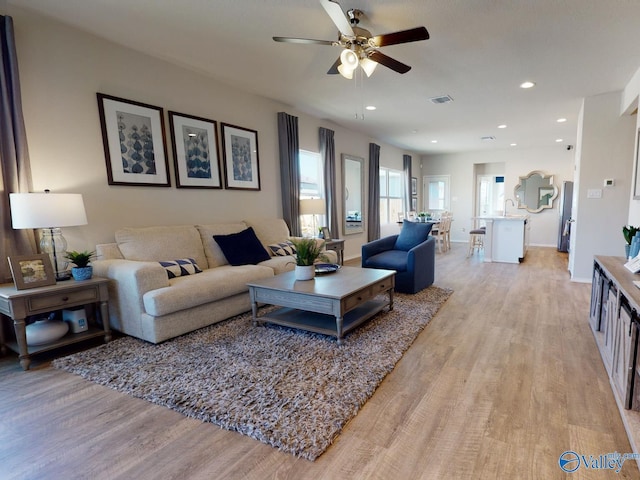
[(476, 240)]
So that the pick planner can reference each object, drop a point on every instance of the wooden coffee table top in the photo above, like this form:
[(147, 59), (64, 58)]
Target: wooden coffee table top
[(332, 285)]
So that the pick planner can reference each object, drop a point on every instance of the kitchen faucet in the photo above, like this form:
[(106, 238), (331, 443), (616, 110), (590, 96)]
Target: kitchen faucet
[(504, 210)]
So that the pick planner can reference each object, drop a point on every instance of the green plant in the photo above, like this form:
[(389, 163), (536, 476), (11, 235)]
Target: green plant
[(80, 259), (308, 250), (629, 232), (422, 214)]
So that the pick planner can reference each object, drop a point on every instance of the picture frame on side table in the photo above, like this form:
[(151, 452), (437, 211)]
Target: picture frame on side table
[(195, 151), (326, 233), (134, 141), (30, 271), (241, 161)]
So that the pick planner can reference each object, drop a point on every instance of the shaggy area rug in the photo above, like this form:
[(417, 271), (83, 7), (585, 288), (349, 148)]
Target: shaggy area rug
[(290, 389)]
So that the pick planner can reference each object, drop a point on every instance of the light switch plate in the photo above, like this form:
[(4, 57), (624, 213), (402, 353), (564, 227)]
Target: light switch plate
[(594, 193)]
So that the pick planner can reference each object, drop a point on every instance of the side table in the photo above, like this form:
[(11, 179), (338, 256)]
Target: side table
[(19, 304), (337, 245)]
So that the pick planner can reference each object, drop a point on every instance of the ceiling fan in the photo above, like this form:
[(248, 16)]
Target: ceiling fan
[(359, 46)]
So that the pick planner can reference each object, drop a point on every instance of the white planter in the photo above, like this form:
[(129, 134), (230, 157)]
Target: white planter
[(306, 272), (45, 331)]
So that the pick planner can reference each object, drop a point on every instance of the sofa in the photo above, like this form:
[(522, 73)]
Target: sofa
[(170, 280)]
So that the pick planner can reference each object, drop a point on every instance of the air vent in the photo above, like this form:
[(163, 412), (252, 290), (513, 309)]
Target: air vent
[(488, 138), (441, 99)]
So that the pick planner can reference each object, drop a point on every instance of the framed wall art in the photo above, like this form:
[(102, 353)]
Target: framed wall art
[(414, 186), (195, 151), (134, 142), (30, 271), (241, 164)]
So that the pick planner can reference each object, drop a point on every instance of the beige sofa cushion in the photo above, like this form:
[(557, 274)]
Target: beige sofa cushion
[(269, 230), (214, 254), (206, 287), (153, 244)]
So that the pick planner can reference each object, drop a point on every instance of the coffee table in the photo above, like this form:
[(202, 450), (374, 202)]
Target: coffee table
[(331, 304)]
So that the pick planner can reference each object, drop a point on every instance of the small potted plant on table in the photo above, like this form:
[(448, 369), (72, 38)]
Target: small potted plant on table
[(628, 231), (308, 250), (82, 269)]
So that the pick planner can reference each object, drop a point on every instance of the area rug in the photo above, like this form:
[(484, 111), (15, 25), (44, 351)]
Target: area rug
[(290, 389)]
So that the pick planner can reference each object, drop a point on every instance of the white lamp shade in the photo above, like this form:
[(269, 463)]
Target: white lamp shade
[(368, 65), (47, 210), (312, 206)]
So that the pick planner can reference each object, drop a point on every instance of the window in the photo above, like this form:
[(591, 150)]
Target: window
[(311, 186), (391, 195), (437, 192)]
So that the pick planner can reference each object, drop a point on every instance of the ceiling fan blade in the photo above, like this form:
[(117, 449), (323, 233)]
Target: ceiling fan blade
[(338, 17), (389, 62), (405, 36), (307, 41), (334, 68)]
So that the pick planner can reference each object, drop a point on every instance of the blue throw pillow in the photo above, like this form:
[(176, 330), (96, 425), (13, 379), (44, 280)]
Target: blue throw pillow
[(242, 248), (412, 234)]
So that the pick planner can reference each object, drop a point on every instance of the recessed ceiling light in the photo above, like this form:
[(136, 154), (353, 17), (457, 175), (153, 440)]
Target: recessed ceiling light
[(434, 141), (502, 126), (514, 144), (561, 120), (558, 140), (527, 84), (370, 107)]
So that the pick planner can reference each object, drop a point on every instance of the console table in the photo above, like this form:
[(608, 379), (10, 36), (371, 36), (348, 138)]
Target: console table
[(19, 304), (615, 321)]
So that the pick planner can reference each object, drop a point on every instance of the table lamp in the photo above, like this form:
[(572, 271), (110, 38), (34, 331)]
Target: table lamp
[(50, 212), (313, 206)]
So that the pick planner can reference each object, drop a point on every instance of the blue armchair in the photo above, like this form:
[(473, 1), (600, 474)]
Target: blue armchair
[(412, 256)]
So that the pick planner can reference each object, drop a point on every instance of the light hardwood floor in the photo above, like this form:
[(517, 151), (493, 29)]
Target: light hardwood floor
[(503, 380)]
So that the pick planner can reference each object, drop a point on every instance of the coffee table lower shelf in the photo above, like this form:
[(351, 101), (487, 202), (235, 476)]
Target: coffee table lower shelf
[(324, 323)]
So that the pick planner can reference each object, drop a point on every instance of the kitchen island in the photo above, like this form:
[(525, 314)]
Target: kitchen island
[(507, 238)]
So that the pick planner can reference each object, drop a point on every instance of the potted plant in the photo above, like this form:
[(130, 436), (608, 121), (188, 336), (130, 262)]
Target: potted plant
[(308, 250), (82, 269), (628, 231)]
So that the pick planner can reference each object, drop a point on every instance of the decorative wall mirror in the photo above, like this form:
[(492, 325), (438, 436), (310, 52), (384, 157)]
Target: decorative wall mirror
[(353, 183), (535, 192)]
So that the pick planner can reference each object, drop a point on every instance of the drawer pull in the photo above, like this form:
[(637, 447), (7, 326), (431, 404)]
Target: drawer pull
[(65, 299)]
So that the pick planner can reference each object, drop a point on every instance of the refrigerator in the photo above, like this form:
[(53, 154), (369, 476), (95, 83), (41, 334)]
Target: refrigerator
[(564, 213)]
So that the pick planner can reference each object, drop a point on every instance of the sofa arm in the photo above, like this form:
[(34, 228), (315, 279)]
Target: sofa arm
[(377, 246), (130, 280)]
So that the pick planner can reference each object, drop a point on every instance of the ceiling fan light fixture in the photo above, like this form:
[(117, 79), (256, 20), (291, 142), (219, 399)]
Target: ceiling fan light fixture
[(368, 65), (346, 72)]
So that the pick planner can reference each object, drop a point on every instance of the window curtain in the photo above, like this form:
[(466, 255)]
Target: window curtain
[(15, 171), (289, 171), (373, 219), (406, 165), (328, 155)]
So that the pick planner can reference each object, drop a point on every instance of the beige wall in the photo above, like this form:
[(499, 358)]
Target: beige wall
[(62, 69)]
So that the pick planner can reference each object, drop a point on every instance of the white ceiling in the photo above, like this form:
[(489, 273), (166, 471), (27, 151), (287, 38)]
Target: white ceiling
[(479, 52)]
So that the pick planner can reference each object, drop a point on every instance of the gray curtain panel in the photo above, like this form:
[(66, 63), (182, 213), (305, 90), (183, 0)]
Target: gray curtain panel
[(328, 155), (373, 217), (406, 165), (15, 171), (289, 171)]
